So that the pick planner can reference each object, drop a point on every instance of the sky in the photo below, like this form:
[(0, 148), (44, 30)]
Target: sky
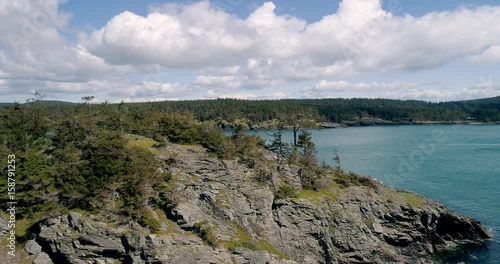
[(142, 50)]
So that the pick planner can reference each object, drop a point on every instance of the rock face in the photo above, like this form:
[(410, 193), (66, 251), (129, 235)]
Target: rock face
[(217, 212)]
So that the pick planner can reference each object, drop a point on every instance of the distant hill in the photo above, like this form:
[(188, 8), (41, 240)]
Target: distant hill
[(493, 102), (329, 109), (48, 103), (336, 109), (2, 105)]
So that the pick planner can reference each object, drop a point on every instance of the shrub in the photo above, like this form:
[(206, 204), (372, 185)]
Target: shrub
[(263, 176), (346, 180), (286, 191), (179, 128), (153, 224), (249, 162), (204, 230)]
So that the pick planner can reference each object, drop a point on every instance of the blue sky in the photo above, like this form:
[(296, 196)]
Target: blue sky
[(97, 13), (173, 50)]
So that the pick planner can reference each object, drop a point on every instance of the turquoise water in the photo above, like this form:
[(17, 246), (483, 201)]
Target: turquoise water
[(458, 166)]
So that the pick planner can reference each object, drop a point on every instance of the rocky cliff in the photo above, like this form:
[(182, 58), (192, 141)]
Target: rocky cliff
[(230, 211)]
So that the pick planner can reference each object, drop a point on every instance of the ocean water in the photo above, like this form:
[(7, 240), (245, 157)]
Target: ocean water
[(458, 166)]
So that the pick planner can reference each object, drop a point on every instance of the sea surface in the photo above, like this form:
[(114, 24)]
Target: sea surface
[(457, 165)]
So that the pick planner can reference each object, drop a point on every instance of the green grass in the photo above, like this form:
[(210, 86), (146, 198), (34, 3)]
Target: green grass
[(316, 196), (78, 211), (243, 239), (412, 199), (265, 245), (45, 210), (334, 214), (222, 199), (240, 239), (286, 191), (146, 144), (206, 233)]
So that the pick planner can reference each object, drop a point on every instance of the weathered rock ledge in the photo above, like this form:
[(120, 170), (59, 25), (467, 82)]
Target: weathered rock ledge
[(218, 213)]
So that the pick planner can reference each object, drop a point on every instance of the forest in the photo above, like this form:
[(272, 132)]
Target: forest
[(335, 110), (322, 110)]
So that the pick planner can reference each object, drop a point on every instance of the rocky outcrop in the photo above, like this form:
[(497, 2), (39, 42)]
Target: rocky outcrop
[(222, 211)]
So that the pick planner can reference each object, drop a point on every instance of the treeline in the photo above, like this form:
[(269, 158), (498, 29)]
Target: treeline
[(330, 110), (338, 110)]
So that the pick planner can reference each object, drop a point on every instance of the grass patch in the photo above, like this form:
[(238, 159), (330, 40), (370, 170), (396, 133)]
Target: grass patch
[(192, 147), (240, 239), (335, 214), (243, 239), (265, 245), (286, 191), (146, 144), (412, 199), (348, 179), (35, 214), (78, 211), (172, 227), (222, 199), (316, 196), (206, 233)]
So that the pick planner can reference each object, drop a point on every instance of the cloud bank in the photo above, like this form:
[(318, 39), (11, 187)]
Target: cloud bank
[(238, 55)]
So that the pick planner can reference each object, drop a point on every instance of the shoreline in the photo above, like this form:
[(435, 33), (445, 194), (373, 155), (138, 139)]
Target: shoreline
[(348, 124)]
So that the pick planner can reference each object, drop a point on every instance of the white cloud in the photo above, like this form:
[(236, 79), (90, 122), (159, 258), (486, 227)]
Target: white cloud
[(490, 55), (272, 48), (151, 90), (398, 90), (193, 36), (230, 54), (227, 82), (439, 95), (331, 89), (212, 94), (221, 70), (33, 53)]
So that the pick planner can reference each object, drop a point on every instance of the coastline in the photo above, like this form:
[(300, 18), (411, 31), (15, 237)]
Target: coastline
[(372, 123)]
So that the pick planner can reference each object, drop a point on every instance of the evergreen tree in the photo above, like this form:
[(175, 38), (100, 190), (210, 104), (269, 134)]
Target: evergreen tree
[(277, 146)]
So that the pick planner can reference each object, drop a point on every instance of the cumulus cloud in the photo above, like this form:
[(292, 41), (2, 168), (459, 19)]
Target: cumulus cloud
[(361, 36), (191, 36), (228, 54), (34, 54), (213, 94), (440, 95), (331, 89), (228, 82), (399, 90), (490, 55)]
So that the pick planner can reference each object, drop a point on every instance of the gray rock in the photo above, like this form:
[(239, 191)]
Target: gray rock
[(4, 224), (32, 247), (377, 228), (42, 258), (253, 257), (74, 219)]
